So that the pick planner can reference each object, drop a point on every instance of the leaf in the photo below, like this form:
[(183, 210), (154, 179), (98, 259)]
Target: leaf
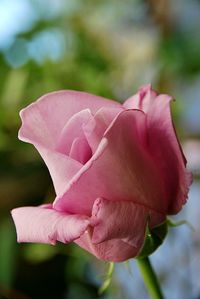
[(107, 280), (171, 223), (128, 267)]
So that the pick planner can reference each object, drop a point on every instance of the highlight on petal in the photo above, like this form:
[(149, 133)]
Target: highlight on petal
[(95, 128), (142, 100), (45, 225), (120, 169), (61, 204)]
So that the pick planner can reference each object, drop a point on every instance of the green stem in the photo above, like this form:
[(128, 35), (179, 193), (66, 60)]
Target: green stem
[(150, 278)]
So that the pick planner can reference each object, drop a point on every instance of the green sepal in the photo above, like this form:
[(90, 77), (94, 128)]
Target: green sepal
[(171, 223), (107, 279), (154, 238)]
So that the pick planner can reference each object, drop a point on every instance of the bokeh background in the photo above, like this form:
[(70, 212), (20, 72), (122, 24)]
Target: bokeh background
[(109, 48)]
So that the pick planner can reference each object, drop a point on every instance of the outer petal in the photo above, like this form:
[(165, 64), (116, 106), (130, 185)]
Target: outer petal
[(120, 169), (61, 167), (43, 121), (118, 229), (163, 145), (114, 250), (121, 220), (45, 225)]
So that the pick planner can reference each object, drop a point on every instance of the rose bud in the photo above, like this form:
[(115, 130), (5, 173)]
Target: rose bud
[(117, 170)]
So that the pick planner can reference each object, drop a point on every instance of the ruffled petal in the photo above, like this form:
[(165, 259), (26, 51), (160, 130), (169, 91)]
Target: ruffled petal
[(119, 220), (114, 250), (164, 145), (120, 169), (45, 225)]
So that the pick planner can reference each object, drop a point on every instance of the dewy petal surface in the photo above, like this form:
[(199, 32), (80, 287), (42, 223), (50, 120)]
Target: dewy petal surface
[(120, 169), (44, 225), (163, 145)]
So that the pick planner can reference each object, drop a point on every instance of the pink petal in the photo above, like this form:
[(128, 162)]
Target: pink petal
[(119, 229), (120, 169), (44, 225), (143, 100), (80, 150), (73, 130), (163, 145), (95, 128), (43, 121), (61, 167), (113, 250), (119, 220)]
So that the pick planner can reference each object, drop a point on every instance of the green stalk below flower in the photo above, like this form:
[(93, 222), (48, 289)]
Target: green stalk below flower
[(150, 278)]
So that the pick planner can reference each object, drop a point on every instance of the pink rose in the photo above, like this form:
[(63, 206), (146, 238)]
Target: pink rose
[(115, 169)]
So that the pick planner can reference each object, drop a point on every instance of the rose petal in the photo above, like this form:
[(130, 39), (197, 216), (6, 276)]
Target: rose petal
[(95, 128), (73, 130), (80, 150), (143, 100), (44, 225), (120, 169), (113, 250), (61, 167), (119, 220), (118, 229), (43, 120), (163, 145), (62, 202)]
